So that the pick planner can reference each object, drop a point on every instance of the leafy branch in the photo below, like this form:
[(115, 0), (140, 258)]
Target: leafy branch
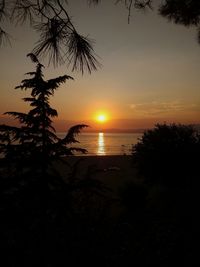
[(59, 40)]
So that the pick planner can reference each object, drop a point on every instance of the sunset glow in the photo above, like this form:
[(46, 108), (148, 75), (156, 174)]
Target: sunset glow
[(147, 75), (101, 118)]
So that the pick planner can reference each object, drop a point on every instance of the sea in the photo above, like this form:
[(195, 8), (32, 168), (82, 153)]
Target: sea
[(105, 144)]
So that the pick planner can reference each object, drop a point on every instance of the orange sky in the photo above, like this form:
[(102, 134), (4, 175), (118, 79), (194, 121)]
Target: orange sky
[(150, 71)]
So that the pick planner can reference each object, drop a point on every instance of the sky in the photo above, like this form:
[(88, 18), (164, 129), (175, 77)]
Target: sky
[(149, 74)]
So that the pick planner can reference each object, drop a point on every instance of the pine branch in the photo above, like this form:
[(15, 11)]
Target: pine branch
[(81, 54), (5, 37), (33, 58), (4, 128), (95, 2), (22, 117), (72, 132), (54, 83)]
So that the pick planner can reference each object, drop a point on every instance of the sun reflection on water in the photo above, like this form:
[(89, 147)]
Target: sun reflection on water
[(101, 145)]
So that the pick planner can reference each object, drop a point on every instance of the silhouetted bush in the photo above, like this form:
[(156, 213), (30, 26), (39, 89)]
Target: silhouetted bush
[(168, 155)]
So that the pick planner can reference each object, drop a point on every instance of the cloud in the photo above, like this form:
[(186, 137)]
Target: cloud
[(157, 108), (133, 106)]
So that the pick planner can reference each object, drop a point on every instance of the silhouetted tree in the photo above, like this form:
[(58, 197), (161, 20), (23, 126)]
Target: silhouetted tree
[(35, 142), (168, 155), (45, 217)]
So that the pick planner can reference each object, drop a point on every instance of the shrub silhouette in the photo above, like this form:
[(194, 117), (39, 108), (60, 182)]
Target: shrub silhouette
[(168, 155)]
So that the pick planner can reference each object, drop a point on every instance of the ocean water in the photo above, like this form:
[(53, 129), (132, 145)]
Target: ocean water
[(106, 143)]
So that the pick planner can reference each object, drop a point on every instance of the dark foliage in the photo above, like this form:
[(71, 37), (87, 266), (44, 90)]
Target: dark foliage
[(133, 197), (182, 11), (46, 218), (35, 142), (160, 214), (73, 222), (59, 40), (168, 155), (185, 12)]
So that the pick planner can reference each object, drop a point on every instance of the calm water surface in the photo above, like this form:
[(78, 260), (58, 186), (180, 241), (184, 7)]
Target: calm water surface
[(107, 143)]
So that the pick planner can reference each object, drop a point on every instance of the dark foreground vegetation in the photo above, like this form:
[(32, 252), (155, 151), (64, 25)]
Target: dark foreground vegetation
[(51, 217), (51, 221)]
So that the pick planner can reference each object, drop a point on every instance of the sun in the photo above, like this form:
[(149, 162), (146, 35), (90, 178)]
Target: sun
[(101, 118)]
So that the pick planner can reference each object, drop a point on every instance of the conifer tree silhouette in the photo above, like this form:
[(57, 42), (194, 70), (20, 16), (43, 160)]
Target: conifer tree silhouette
[(34, 144)]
